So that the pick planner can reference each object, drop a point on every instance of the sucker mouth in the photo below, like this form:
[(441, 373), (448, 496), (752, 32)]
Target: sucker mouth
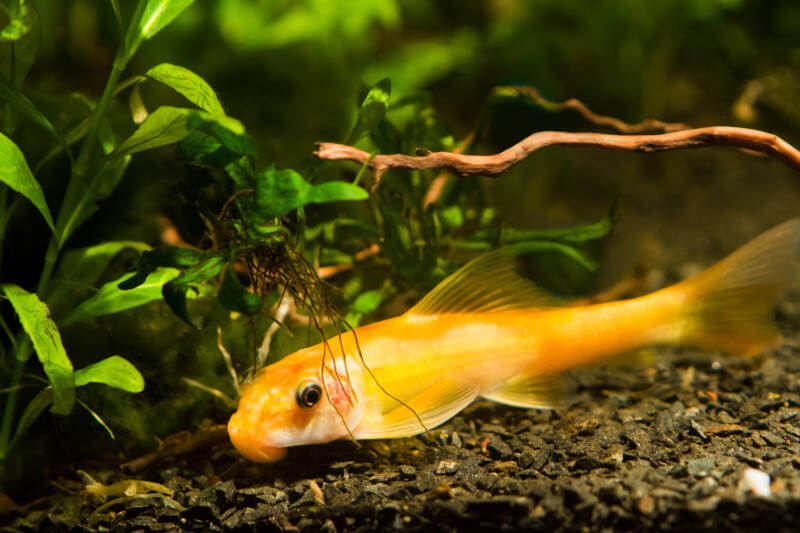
[(264, 454), (250, 448)]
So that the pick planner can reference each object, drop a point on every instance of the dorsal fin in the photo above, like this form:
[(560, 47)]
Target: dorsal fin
[(485, 284)]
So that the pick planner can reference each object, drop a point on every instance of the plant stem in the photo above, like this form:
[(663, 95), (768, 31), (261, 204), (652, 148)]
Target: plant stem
[(4, 216), (8, 415)]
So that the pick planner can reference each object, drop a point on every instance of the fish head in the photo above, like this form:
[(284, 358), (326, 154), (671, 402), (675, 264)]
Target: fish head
[(293, 402)]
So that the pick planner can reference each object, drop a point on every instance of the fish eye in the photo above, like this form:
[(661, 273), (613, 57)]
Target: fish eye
[(308, 395)]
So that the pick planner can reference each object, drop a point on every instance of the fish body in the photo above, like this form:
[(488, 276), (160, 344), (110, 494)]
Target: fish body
[(486, 332)]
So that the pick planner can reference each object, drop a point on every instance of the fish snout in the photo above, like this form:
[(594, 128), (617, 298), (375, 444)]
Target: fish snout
[(247, 443)]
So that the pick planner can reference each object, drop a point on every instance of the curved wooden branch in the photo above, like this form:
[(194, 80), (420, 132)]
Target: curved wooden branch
[(494, 165), (532, 95)]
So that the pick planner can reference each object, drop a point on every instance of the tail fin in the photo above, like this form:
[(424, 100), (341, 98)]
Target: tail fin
[(729, 306)]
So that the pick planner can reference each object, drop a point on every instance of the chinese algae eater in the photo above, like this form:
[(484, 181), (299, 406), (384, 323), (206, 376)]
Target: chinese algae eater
[(487, 332)]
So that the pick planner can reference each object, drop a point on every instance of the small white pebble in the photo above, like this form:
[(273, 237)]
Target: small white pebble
[(755, 481), (446, 467)]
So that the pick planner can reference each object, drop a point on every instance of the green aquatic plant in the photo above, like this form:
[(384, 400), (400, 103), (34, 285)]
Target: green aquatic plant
[(96, 170), (275, 236)]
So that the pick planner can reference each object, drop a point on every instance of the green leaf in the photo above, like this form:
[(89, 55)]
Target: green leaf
[(235, 297), (576, 234), (165, 125), (104, 183), (168, 125), (335, 228), (35, 407), (575, 254), (167, 256), (372, 111), (35, 319), (335, 191), (366, 303), (174, 292), (15, 173), (82, 268), (452, 216), (197, 146), (158, 13), (17, 26), (114, 371), (20, 102), (117, 13), (112, 299), (189, 84), (279, 192)]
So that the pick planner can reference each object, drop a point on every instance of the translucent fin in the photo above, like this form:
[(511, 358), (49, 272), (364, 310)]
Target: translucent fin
[(434, 406), (638, 358), (729, 306), (533, 392), (485, 284)]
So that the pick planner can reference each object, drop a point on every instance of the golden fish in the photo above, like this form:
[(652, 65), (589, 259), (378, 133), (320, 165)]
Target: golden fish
[(486, 332)]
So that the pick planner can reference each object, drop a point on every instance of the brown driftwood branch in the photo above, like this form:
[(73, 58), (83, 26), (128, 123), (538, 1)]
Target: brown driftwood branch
[(179, 444), (532, 95), (494, 165)]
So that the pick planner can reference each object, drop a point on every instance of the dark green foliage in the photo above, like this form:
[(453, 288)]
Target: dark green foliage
[(235, 297)]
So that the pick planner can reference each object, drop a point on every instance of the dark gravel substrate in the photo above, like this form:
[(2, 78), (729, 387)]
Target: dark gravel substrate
[(660, 448)]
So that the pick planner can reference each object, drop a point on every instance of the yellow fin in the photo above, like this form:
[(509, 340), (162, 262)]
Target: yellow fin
[(637, 358), (533, 392), (729, 306), (485, 284), (435, 405)]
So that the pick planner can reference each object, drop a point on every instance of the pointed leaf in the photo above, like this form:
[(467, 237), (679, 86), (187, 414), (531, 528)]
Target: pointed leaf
[(35, 407), (578, 256), (114, 371), (167, 256), (168, 125), (189, 84), (20, 102), (576, 234), (158, 13), (335, 191), (35, 319), (235, 297), (15, 173), (83, 267), (103, 185), (372, 111), (174, 292), (117, 12), (112, 299), (278, 192)]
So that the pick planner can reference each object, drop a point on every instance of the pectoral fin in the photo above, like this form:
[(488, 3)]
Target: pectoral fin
[(438, 403), (533, 392)]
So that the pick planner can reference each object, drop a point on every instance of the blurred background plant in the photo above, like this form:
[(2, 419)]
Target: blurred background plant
[(212, 124)]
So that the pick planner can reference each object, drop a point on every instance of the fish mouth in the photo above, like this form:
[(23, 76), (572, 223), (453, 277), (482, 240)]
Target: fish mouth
[(249, 446), (262, 454)]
